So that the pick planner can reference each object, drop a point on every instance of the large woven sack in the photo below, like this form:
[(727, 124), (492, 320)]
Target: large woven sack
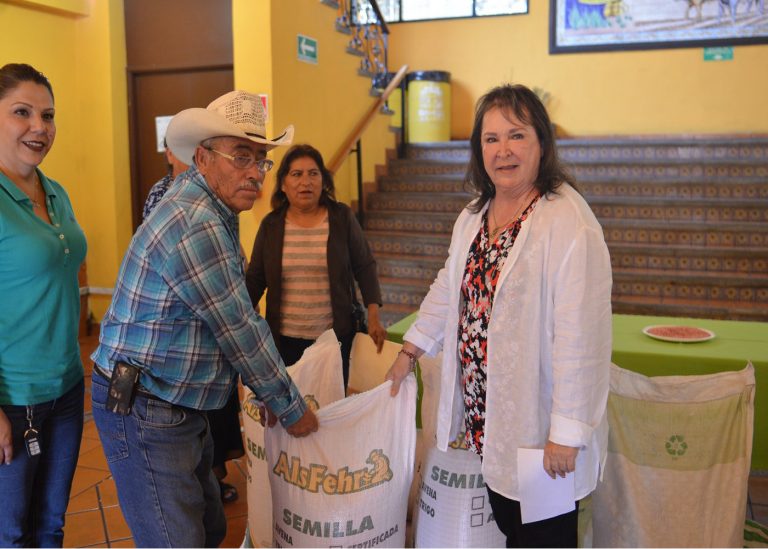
[(367, 370), (346, 484), (453, 508), (318, 376), (450, 501), (678, 462)]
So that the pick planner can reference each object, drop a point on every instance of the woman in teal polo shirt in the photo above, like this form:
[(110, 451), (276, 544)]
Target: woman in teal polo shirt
[(41, 374)]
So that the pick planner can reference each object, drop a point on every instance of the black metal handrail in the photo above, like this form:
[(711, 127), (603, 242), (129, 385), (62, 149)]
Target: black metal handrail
[(379, 17), (364, 21)]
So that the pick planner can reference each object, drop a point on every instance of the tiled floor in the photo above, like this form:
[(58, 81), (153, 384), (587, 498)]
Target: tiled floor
[(94, 518)]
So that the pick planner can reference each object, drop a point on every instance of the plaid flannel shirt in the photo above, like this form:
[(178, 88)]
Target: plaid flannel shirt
[(181, 311)]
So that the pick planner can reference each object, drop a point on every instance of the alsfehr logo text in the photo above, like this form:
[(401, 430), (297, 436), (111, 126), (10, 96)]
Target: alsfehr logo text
[(316, 477)]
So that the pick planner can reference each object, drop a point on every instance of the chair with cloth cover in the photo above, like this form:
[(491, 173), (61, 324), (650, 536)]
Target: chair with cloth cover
[(678, 462), (367, 368)]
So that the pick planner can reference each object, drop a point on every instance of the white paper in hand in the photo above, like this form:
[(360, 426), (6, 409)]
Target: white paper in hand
[(541, 496)]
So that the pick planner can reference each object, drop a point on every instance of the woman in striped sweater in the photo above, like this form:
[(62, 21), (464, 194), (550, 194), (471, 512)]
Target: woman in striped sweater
[(308, 252)]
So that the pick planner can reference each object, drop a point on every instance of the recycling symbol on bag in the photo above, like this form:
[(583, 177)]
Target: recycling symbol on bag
[(676, 446)]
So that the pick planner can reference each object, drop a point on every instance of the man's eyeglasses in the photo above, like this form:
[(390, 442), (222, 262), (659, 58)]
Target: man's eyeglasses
[(246, 161)]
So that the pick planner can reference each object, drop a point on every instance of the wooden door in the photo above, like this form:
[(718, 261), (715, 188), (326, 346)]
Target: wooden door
[(179, 56)]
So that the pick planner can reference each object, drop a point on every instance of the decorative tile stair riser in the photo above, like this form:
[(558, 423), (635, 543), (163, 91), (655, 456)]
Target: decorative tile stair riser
[(422, 184), (618, 149), (684, 219)]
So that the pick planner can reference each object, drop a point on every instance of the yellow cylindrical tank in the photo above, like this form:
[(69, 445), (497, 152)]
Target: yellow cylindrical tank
[(428, 106)]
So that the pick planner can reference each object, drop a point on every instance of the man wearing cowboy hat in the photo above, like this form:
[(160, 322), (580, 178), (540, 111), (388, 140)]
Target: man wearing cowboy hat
[(181, 327)]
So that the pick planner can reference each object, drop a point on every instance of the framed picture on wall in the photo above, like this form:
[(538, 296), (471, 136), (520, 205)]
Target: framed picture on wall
[(603, 25)]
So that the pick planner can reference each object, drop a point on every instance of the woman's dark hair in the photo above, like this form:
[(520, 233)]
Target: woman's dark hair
[(13, 74), (328, 194), (526, 106)]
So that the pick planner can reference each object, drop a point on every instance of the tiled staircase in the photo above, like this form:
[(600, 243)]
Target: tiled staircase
[(685, 219)]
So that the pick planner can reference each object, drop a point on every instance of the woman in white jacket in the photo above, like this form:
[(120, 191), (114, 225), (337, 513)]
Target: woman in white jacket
[(522, 310)]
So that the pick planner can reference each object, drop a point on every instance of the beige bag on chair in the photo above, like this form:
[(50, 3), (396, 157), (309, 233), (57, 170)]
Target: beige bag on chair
[(367, 368), (679, 451)]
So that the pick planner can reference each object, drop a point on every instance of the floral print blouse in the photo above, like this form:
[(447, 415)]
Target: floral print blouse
[(485, 261)]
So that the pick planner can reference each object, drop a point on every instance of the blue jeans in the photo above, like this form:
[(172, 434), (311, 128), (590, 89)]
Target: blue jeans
[(34, 491), (160, 456)]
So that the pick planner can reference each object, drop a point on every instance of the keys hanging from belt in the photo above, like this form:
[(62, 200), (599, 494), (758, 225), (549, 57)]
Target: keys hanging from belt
[(31, 440)]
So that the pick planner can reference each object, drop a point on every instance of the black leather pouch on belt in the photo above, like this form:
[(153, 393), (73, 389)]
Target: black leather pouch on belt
[(122, 388)]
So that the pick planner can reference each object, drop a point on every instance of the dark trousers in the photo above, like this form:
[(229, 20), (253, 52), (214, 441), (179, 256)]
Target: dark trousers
[(560, 531), (225, 432), (291, 349)]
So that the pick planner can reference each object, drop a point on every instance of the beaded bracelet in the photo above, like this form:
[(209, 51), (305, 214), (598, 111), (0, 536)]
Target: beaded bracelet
[(411, 358)]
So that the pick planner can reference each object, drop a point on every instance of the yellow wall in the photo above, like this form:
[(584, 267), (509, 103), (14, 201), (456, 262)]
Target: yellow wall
[(80, 45), (670, 91), (84, 58), (323, 101), (63, 7), (253, 72)]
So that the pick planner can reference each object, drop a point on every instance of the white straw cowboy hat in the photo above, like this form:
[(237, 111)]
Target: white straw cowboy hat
[(236, 114)]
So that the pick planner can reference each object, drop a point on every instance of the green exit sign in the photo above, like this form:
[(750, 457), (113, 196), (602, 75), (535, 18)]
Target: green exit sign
[(718, 54), (307, 49)]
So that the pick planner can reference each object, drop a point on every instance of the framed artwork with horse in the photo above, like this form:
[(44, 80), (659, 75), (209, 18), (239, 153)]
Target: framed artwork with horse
[(603, 25)]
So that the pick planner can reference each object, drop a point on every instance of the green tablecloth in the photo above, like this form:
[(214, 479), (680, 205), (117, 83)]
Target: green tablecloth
[(735, 344), (397, 330)]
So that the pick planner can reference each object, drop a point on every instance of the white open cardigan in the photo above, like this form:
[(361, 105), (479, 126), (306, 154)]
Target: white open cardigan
[(549, 340)]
